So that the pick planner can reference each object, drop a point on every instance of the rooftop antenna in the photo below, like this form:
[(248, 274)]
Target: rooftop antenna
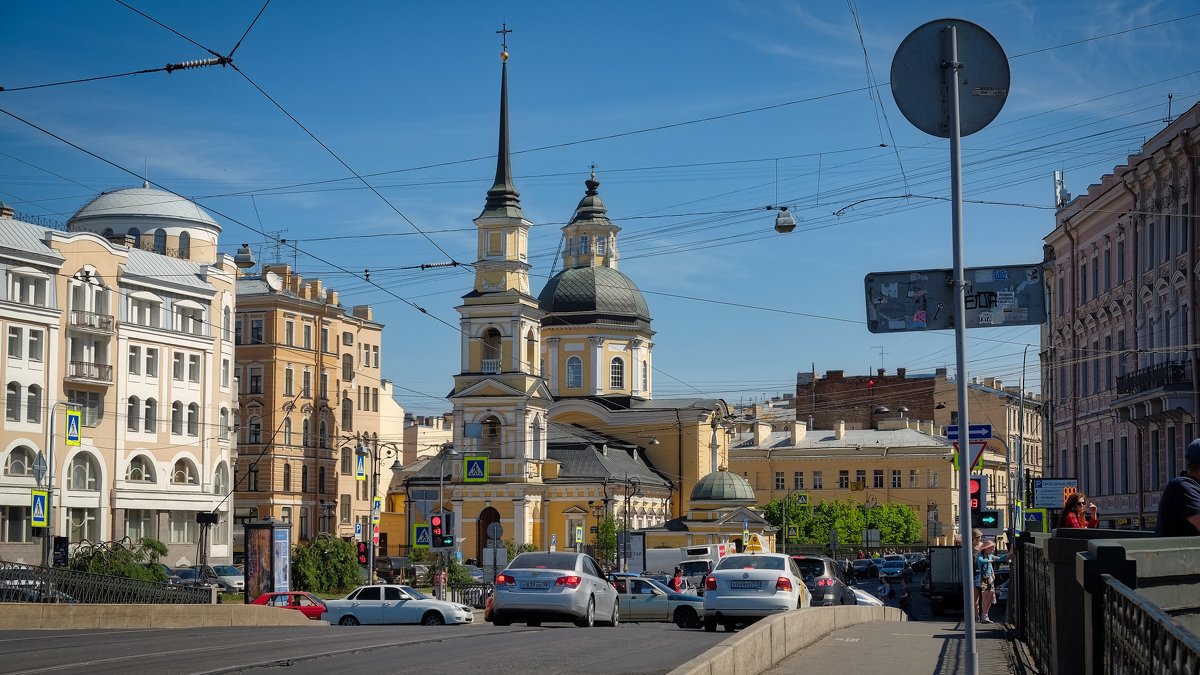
[(274, 245), (146, 173), (881, 353), (1169, 97)]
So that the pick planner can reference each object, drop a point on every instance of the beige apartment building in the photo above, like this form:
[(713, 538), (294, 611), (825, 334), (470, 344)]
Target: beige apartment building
[(310, 393), (124, 315)]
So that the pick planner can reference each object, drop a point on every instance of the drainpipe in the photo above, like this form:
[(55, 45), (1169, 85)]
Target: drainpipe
[(1191, 270), (1141, 486)]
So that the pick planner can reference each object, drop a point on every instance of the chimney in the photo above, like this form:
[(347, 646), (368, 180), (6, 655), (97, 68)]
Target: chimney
[(361, 311), (834, 374), (799, 430), (900, 372), (6, 211), (839, 429), (762, 431)]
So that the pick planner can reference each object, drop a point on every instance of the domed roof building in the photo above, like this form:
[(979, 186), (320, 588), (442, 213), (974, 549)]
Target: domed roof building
[(150, 219), (723, 488)]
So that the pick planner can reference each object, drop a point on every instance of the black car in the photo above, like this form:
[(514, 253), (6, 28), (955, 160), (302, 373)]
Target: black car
[(918, 561), (864, 568), (394, 570), (825, 581)]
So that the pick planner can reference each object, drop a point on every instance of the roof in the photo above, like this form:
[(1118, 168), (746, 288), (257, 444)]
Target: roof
[(583, 454), (722, 486), (167, 269), (593, 295), (144, 202), (825, 439), (19, 235)]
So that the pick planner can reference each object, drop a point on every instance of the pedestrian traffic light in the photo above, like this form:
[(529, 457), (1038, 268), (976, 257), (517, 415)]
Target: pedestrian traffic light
[(985, 519), (978, 496), (437, 531), (363, 552)]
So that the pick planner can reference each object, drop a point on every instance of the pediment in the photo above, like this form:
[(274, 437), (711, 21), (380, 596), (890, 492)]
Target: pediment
[(743, 514)]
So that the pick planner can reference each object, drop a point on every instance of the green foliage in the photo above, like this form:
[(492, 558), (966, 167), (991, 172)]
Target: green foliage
[(897, 523), (325, 565), (605, 542), (122, 559), (511, 548)]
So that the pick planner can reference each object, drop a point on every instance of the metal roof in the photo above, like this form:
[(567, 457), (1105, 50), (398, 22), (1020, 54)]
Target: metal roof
[(590, 291), (18, 235), (167, 269), (144, 202)]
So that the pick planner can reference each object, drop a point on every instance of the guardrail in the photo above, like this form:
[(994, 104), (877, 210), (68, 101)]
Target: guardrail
[(1142, 638), (472, 595), (32, 583)]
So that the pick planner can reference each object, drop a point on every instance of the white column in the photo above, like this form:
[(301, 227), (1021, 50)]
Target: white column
[(597, 365), (552, 364), (635, 366)]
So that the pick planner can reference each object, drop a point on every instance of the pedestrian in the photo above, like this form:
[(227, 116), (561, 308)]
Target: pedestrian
[(676, 582), (976, 541), (987, 577), (905, 601), (1179, 506), (862, 554), (1073, 513)]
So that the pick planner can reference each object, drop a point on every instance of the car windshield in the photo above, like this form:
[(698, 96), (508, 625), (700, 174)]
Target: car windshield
[(893, 564), (660, 586), (550, 561), (227, 570), (810, 567), (415, 593), (751, 562), (185, 573), (693, 568)]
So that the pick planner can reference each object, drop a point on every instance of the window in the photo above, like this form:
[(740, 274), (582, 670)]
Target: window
[(145, 312), (184, 473), (193, 368), (325, 340), (133, 414), (177, 366), (818, 480), (89, 403), (798, 480), (184, 529), (289, 333), (81, 524), (252, 480), (33, 404), (344, 509), (185, 245), (151, 416), (308, 337), (601, 245), (616, 373), (287, 431), (877, 478), (860, 477), (375, 356), (14, 525), (27, 289), (375, 399), (16, 341), (254, 430), (306, 385), (1095, 277), (645, 377), (223, 425), (256, 331), (12, 403), (322, 435), (583, 244), (912, 478), (287, 477), (140, 470), (152, 362), (177, 418), (285, 513), (160, 241), (1121, 262), (843, 479), (238, 333), (780, 481), (220, 481), (1107, 269), (347, 367), (324, 391), (225, 373), (896, 480), (19, 462), (135, 360), (306, 433), (574, 373), (138, 524), (189, 320), (83, 473), (193, 419), (226, 323), (256, 380), (1083, 283), (347, 415), (347, 338), (347, 461), (35, 345), (933, 478)]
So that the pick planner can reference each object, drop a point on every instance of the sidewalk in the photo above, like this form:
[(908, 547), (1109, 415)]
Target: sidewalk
[(910, 648)]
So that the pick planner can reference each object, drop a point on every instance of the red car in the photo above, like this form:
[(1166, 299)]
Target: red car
[(305, 603)]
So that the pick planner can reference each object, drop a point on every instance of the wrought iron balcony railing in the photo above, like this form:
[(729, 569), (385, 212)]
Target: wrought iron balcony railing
[(82, 319), (1153, 377)]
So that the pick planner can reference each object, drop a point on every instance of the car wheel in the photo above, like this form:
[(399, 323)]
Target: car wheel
[(589, 615), (433, 619), (533, 624), (729, 626), (616, 615), (685, 617), (347, 621), (498, 620), (710, 625)]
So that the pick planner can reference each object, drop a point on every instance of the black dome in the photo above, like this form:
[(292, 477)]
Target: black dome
[(593, 295)]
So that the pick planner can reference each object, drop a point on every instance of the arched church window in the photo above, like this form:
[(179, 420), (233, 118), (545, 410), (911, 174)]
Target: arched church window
[(185, 245), (160, 241), (491, 441), (574, 373), (616, 372)]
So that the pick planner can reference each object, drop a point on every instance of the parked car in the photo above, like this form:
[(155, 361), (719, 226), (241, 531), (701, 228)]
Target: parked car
[(896, 570), (228, 577), (864, 569), (918, 561), (665, 581), (647, 599), (172, 578), (554, 586), (390, 603), (189, 576), (823, 576), (306, 603), (746, 587), (476, 573), (394, 570)]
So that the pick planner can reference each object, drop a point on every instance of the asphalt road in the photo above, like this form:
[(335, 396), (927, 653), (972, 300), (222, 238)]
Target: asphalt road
[(554, 648)]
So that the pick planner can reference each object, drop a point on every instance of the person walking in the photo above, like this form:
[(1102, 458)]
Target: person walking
[(1179, 506), (676, 582), (987, 577), (976, 541), (1073, 514)]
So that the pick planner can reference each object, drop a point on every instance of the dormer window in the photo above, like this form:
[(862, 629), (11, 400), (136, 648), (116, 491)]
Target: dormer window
[(584, 246), (601, 245)]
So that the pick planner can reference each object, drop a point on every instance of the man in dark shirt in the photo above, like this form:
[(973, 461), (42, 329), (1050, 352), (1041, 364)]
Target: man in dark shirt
[(1179, 506)]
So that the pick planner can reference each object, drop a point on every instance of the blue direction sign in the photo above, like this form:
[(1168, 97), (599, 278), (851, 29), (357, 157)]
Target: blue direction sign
[(976, 432), (360, 467), (39, 511), (73, 427)]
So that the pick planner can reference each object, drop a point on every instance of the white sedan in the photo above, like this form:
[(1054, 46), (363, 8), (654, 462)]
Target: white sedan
[(865, 598), (384, 603), (749, 586)]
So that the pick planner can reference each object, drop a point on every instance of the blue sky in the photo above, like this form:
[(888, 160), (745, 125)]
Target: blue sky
[(697, 115)]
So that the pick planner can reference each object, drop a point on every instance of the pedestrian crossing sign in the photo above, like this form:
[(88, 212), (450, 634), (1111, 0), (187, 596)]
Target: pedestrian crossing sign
[(376, 507), (360, 467), (40, 517), (421, 537), (475, 469), (73, 427)]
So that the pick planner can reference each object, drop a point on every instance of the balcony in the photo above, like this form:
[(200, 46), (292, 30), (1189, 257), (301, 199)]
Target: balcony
[(491, 366), (1167, 375), (101, 323), (90, 372)]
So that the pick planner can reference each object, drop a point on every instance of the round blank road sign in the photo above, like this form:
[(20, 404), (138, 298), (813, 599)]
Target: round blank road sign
[(919, 77), (495, 531)]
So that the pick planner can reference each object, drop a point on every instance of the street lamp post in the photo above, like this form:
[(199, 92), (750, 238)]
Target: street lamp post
[(48, 540), (868, 506), (632, 488), (371, 451), (447, 449), (328, 508)]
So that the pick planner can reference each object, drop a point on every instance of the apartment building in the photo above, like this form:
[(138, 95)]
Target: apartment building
[(125, 315)]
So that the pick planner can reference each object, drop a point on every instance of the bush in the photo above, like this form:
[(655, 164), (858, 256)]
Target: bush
[(325, 565), (122, 559)]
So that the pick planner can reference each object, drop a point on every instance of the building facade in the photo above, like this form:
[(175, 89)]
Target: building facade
[(311, 395), (125, 317), (1119, 356)]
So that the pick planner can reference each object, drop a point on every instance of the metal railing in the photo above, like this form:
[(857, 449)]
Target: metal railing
[(472, 595), (490, 366), (1142, 638), (86, 370), (32, 583), (1032, 582), (1153, 377), (92, 320)]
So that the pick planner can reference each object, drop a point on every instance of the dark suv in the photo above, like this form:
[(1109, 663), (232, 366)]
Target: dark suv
[(394, 570), (825, 581)]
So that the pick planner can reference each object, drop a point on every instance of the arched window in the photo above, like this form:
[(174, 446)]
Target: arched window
[(616, 372), (492, 351), (574, 373), (306, 432), (151, 420), (491, 440), (177, 418), (323, 435), (347, 414), (227, 323), (287, 477), (33, 404), (645, 377), (136, 235), (19, 462), (287, 431), (254, 430), (133, 414), (223, 425), (140, 470), (12, 404), (193, 419), (83, 473), (321, 480), (160, 241), (221, 480), (185, 245), (107, 233), (184, 473)]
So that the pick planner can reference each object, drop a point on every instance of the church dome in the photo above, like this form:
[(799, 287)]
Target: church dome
[(593, 295), (722, 486), (144, 202)]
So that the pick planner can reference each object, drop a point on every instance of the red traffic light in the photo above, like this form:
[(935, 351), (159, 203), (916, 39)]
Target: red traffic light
[(362, 553), (870, 383), (435, 525)]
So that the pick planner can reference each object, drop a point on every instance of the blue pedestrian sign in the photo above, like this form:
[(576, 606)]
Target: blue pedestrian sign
[(376, 507), (475, 469), (360, 467), (421, 537), (40, 516), (976, 432), (73, 427)]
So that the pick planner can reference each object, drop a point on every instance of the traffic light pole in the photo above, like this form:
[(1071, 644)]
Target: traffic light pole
[(371, 519)]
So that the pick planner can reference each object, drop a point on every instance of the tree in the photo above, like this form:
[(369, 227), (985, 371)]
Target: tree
[(604, 546), (897, 523), (326, 564), (122, 559)]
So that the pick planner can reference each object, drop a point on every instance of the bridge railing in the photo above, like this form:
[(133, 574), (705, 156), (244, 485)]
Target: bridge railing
[(1143, 638), (32, 583)]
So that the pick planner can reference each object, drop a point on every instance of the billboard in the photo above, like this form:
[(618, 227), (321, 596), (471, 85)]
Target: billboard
[(921, 300)]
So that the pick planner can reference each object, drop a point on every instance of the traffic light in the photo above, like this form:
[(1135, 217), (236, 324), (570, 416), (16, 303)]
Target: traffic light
[(985, 519), (438, 533), (363, 552), (871, 383), (978, 496)]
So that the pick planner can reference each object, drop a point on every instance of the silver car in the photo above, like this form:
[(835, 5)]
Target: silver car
[(559, 586)]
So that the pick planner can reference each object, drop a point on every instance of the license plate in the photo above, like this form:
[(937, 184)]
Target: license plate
[(535, 584), (743, 584)]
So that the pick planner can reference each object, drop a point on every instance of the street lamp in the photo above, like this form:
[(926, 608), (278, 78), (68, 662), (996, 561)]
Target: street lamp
[(787, 500), (44, 467), (869, 505), (632, 487), (328, 508), (371, 451)]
